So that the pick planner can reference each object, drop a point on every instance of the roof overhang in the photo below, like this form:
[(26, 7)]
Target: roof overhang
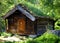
[(26, 13)]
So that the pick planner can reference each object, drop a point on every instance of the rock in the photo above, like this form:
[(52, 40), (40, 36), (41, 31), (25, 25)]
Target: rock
[(10, 39), (32, 36), (56, 32)]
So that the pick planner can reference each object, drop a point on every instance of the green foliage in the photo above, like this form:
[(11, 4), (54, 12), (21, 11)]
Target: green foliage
[(47, 7), (5, 34), (8, 42), (2, 24), (57, 24), (47, 38)]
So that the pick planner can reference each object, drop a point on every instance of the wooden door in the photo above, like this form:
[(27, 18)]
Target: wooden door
[(21, 26)]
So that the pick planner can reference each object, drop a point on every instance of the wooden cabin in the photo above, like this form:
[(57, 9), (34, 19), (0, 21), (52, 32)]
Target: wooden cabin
[(20, 21)]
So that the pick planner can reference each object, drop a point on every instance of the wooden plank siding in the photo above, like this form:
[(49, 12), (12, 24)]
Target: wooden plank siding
[(43, 24), (29, 26), (20, 24)]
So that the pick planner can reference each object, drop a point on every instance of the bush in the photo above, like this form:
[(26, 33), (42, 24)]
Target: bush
[(47, 38), (5, 34), (9, 42), (6, 42), (57, 25)]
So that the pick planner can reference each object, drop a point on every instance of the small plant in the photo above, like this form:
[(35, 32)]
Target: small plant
[(57, 25), (5, 34)]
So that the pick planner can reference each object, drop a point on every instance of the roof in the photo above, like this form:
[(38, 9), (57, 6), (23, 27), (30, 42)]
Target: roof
[(22, 10)]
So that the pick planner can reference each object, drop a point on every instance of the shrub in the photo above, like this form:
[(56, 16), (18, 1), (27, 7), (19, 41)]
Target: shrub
[(5, 34), (47, 38), (57, 25)]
